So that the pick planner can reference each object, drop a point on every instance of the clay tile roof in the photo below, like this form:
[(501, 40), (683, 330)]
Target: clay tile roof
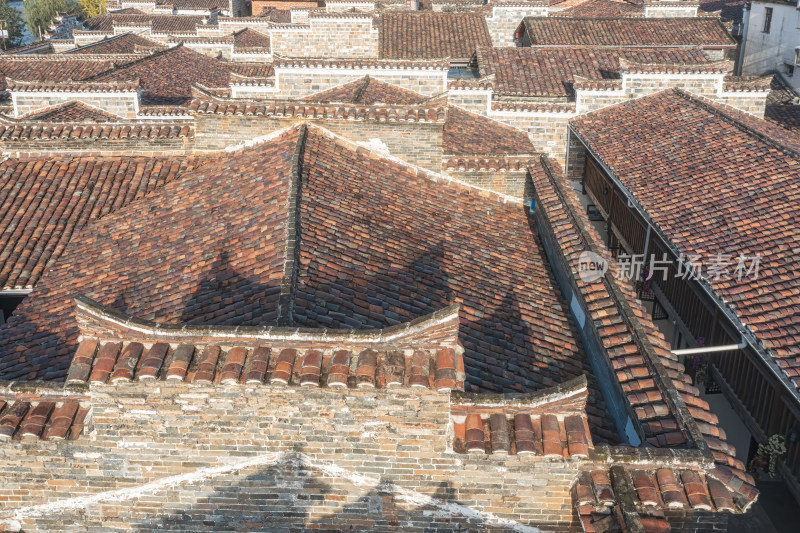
[(70, 192), (601, 9), (368, 91), (160, 24), (428, 35), (70, 112), (49, 68), (552, 71), (283, 16), (422, 353), (645, 32), (127, 43), (369, 256), (26, 417), (550, 423), (467, 133), (248, 40), (167, 76), (739, 181), (645, 366)]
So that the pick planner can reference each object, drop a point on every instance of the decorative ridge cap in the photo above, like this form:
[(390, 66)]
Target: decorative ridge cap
[(89, 308), (568, 389)]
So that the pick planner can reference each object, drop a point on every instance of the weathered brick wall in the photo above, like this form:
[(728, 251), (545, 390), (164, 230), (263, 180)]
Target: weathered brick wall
[(754, 103), (296, 83), (120, 104), (512, 183), (642, 84), (212, 50), (276, 457), (670, 12), (330, 38), (547, 131), (475, 101), (425, 149), (98, 146), (505, 21), (586, 101)]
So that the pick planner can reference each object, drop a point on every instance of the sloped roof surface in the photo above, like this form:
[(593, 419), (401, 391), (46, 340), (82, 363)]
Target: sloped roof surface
[(738, 191), (49, 68), (467, 133), (162, 24), (47, 200), (551, 71), (368, 91), (428, 35), (127, 43), (556, 31)]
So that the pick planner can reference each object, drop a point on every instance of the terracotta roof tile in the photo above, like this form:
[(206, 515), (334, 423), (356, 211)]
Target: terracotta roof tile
[(71, 112), (467, 133), (601, 9), (167, 76), (428, 35), (127, 43), (740, 183), (552, 71), (49, 199), (49, 68), (249, 40), (160, 24), (644, 32), (368, 91), (28, 417)]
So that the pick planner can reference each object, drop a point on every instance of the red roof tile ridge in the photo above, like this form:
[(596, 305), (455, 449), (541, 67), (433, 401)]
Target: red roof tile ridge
[(532, 106), (559, 201), (478, 84), (210, 39), (716, 67), (40, 411), (586, 84), (748, 83), (38, 58), (488, 163), (306, 62)]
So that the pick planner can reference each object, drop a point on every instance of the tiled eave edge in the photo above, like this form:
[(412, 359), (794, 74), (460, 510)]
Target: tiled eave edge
[(746, 334), (97, 320)]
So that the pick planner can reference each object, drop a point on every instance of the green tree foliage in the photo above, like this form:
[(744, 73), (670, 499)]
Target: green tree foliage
[(12, 23), (39, 14), (93, 8)]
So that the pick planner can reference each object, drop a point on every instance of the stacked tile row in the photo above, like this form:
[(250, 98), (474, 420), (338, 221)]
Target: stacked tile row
[(547, 435), (48, 420), (114, 362)]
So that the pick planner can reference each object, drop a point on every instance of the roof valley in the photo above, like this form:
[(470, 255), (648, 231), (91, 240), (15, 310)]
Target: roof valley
[(291, 248)]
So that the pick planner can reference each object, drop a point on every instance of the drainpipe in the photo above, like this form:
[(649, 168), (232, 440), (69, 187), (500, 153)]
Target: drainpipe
[(709, 349)]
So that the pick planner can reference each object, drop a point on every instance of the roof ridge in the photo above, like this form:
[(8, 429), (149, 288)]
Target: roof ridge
[(715, 108), (291, 248), (361, 89), (116, 67)]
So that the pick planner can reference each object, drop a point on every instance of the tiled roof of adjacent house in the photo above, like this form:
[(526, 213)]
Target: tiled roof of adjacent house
[(49, 68), (160, 24), (196, 4), (467, 133), (344, 239), (601, 9), (249, 40), (739, 188), (47, 200), (368, 91), (127, 43), (167, 76), (552, 71), (728, 9), (647, 370), (283, 16), (556, 31), (70, 112), (428, 35)]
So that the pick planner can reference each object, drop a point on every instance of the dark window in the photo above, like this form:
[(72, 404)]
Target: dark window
[(7, 305), (767, 19)]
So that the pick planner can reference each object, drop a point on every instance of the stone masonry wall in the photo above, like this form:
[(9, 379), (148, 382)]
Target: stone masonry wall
[(475, 101), (216, 132), (505, 21), (512, 183), (162, 455), (97, 146), (123, 105), (296, 83), (329, 38)]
